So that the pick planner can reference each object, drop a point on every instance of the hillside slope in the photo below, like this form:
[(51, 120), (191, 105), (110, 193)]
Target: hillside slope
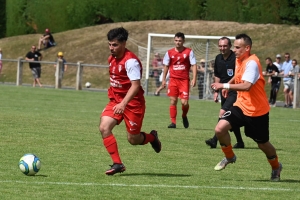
[(90, 44)]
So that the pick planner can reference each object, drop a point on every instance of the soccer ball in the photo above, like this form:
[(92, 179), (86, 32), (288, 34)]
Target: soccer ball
[(88, 84), (30, 164)]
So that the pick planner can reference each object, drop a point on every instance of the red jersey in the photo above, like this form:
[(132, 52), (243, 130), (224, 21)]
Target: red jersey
[(180, 63), (119, 71)]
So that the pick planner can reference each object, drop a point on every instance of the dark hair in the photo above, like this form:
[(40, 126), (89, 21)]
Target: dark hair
[(295, 61), (268, 58), (226, 38), (180, 35), (245, 37), (120, 34)]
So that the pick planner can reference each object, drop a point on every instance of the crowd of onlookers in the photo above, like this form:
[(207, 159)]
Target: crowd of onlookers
[(282, 71), (45, 41)]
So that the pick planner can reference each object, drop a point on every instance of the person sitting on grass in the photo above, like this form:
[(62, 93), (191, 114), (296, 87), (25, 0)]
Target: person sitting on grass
[(47, 40)]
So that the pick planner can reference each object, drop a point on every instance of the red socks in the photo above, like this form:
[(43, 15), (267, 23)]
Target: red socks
[(111, 146), (173, 113), (147, 138)]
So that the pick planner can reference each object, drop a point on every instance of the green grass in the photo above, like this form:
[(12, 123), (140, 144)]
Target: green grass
[(61, 127)]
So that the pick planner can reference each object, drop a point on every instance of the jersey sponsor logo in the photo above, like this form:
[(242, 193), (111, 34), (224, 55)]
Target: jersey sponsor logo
[(230, 72), (115, 83), (178, 67)]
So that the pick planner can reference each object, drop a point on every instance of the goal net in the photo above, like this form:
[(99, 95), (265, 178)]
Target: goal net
[(205, 49)]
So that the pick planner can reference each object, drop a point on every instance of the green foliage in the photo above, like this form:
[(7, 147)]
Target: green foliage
[(255, 11), (2, 18), (29, 16), (290, 11), (18, 19)]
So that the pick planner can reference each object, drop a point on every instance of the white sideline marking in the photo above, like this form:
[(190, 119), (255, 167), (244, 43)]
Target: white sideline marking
[(153, 186)]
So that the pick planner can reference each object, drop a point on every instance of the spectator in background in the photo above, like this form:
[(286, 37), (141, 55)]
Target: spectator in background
[(60, 55), (0, 61), (285, 70), (292, 73), (200, 77), (157, 92), (272, 71), (278, 63), (36, 70), (157, 67), (47, 40)]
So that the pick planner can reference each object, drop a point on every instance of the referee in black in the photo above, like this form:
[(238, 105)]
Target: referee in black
[(224, 71)]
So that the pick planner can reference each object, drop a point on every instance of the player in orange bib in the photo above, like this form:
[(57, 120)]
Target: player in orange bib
[(178, 61), (126, 100), (251, 108)]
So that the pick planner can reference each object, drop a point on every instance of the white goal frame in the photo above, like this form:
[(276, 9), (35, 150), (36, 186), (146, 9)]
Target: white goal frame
[(151, 35)]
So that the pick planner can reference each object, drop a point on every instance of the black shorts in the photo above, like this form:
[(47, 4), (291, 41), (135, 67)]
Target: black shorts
[(257, 128), (227, 103), (36, 72)]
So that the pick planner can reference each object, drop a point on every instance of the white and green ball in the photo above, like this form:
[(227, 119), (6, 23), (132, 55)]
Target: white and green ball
[(30, 164)]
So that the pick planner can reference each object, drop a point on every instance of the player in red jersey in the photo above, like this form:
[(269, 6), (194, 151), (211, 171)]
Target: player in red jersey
[(126, 100), (178, 61)]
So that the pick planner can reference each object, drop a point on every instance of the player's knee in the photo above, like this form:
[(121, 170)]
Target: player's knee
[(103, 129)]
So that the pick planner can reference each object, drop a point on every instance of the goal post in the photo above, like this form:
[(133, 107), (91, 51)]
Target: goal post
[(204, 47)]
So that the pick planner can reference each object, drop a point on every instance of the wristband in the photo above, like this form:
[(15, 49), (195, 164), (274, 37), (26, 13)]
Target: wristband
[(226, 86)]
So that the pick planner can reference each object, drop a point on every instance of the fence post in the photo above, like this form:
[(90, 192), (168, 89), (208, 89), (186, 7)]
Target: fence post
[(296, 91), (79, 75), (58, 73), (19, 71)]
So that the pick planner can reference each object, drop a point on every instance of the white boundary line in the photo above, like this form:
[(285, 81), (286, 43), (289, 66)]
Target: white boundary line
[(153, 186)]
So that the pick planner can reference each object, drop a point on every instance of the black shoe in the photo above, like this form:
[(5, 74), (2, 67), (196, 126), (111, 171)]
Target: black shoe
[(115, 168), (185, 122), (172, 125), (239, 145), (156, 144), (210, 142)]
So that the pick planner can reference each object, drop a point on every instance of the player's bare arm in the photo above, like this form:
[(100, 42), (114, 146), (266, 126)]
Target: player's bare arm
[(133, 90), (194, 69), (216, 92), (163, 83), (244, 86)]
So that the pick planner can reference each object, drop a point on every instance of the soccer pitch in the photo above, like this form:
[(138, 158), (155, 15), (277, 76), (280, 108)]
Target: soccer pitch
[(61, 128)]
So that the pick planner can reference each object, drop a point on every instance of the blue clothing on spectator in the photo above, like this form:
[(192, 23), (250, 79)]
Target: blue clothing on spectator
[(286, 68)]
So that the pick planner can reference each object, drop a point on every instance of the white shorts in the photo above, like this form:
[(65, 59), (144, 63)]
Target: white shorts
[(287, 84)]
